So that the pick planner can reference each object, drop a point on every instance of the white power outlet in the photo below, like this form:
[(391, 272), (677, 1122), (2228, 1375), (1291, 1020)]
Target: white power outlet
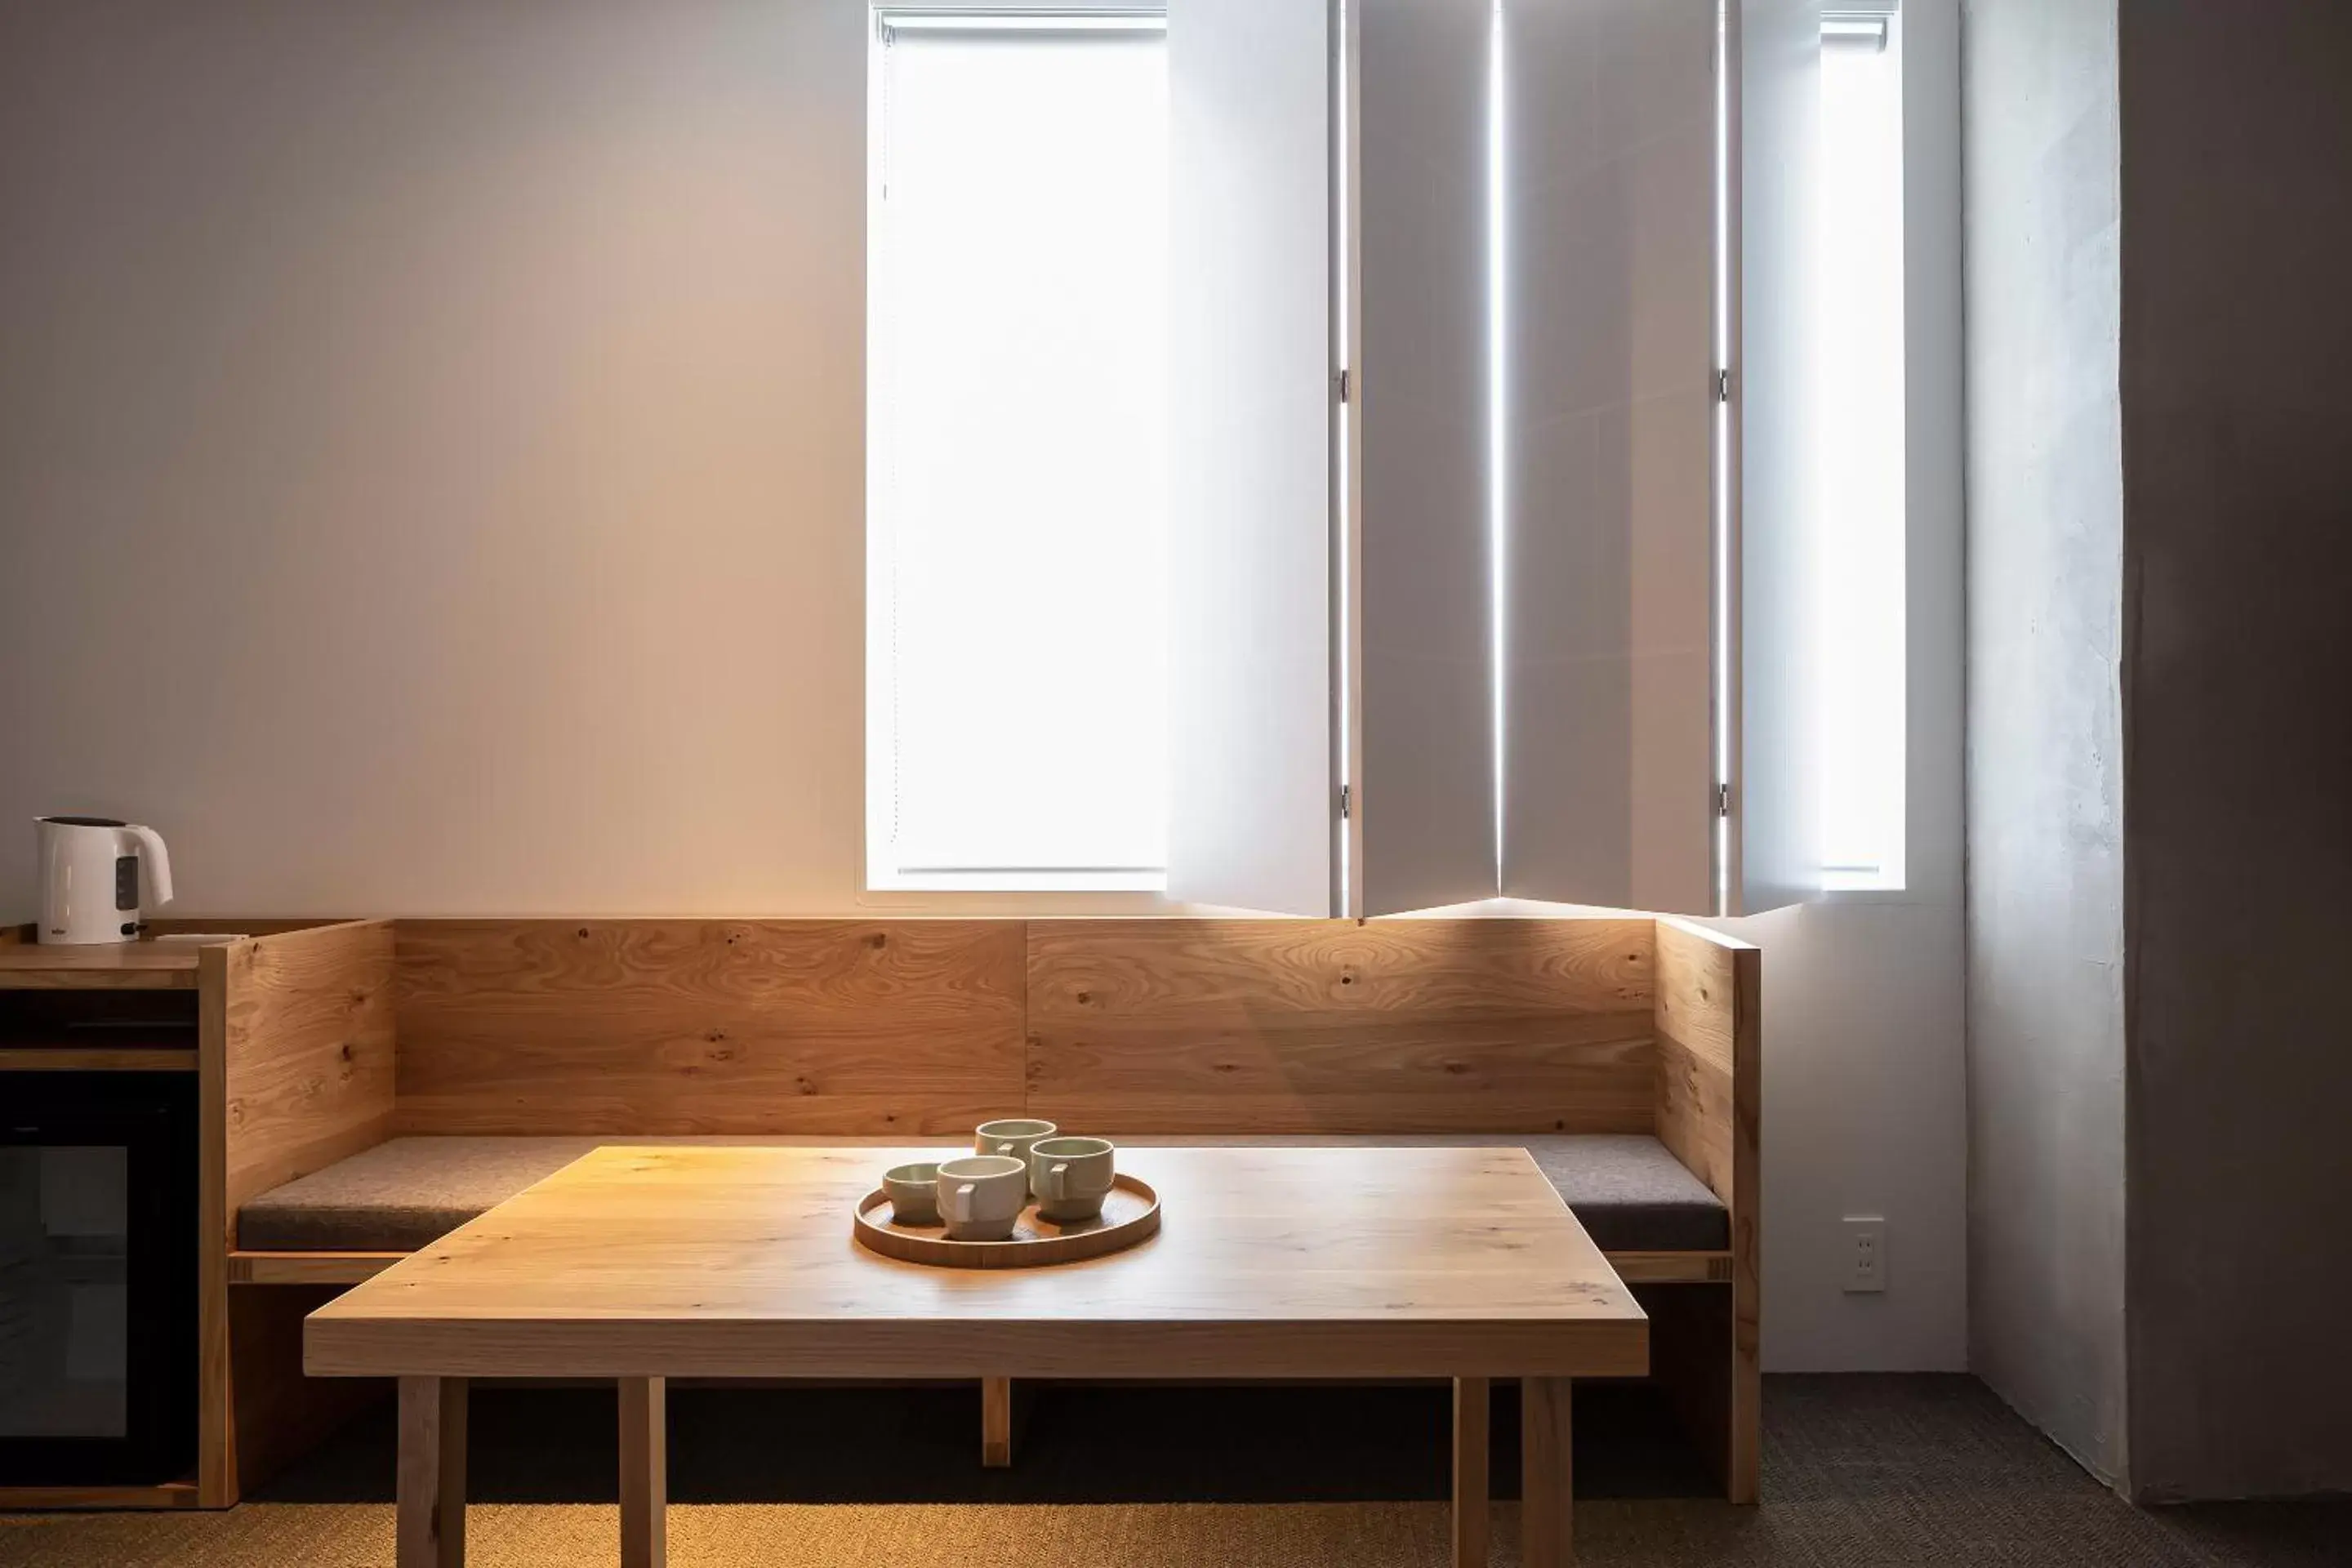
[(1866, 1255)]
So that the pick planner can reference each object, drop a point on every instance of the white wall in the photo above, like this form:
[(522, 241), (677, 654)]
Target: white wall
[(431, 454), (1865, 1092), (431, 482), (2045, 962)]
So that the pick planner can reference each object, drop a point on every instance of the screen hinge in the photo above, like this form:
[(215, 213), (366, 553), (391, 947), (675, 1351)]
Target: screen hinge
[(1723, 800), (1344, 384), (1723, 386), (1347, 801)]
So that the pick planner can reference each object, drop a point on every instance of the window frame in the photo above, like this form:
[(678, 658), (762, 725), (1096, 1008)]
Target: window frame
[(1934, 632), (1079, 890), (1877, 30)]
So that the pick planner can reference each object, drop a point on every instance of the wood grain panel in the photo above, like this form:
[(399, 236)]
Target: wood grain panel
[(1710, 1089), (67, 1059), (281, 1414), (996, 1423), (308, 1268), (675, 1028), (1696, 1116), (644, 1472), (215, 1430), (1698, 987), (294, 1047), (429, 1528), (1473, 1485), (1547, 1473), (1305, 1027), (127, 966), (1672, 1268), (308, 1053)]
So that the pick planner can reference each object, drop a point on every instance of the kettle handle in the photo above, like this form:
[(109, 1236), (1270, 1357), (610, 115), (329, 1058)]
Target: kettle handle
[(154, 860)]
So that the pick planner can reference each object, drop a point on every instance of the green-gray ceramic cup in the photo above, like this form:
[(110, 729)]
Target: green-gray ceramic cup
[(1071, 1176), (914, 1193), (981, 1197), (1011, 1137)]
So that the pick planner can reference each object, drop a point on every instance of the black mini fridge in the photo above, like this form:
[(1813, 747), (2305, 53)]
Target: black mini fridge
[(98, 1277)]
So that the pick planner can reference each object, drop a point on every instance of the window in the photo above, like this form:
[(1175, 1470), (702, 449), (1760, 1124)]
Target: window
[(1861, 311), (1016, 681)]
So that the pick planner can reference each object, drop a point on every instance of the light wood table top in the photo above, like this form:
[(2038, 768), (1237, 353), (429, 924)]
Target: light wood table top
[(732, 1262)]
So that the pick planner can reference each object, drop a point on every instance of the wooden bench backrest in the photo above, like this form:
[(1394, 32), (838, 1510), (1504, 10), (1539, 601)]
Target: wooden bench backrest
[(328, 1039), (926, 1027), (855, 1028), (1461, 1026)]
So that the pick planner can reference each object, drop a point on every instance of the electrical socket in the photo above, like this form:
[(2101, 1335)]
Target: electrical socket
[(1866, 1255)]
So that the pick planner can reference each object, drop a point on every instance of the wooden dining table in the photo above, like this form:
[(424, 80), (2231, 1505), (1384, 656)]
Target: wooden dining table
[(645, 1264)]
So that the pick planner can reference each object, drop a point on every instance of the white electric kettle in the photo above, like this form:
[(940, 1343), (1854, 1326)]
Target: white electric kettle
[(91, 869)]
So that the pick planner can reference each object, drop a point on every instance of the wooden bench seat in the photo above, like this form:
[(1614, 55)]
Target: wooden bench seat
[(1628, 1190)]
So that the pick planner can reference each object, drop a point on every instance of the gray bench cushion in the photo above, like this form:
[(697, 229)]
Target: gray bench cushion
[(401, 1194), (1631, 1195), (1630, 1192)]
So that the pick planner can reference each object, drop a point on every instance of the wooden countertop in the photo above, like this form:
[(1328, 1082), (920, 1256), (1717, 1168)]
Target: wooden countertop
[(126, 966)]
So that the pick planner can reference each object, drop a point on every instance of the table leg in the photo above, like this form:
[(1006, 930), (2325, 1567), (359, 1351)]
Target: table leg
[(432, 1472), (1471, 1493), (996, 1423), (1546, 1480), (644, 1472)]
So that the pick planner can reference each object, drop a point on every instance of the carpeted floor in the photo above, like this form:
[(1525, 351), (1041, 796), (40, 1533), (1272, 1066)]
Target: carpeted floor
[(1859, 1472)]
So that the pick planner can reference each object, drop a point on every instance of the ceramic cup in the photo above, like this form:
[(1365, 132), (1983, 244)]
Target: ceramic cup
[(980, 1196), (914, 1194), (1070, 1176), (1013, 1138)]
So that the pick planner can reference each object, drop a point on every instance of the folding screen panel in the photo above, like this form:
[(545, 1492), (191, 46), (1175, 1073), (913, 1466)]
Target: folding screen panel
[(1610, 153), (1776, 809), (1517, 259), (1254, 702), (1423, 734)]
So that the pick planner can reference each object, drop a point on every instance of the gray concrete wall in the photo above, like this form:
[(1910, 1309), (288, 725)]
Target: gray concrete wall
[(2045, 755), (2237, 380)]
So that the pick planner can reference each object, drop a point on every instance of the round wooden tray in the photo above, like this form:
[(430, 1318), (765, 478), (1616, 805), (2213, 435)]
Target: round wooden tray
[(1130, 1212)]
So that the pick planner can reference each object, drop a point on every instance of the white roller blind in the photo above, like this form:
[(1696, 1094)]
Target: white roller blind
[(1018, 687)]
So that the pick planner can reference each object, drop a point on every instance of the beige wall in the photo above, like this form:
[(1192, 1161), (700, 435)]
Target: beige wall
[(431, 448)]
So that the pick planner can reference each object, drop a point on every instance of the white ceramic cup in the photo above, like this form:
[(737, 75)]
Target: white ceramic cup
[(1071, 1176), (914, 1192), (980, 1196), (1012, 1137)]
